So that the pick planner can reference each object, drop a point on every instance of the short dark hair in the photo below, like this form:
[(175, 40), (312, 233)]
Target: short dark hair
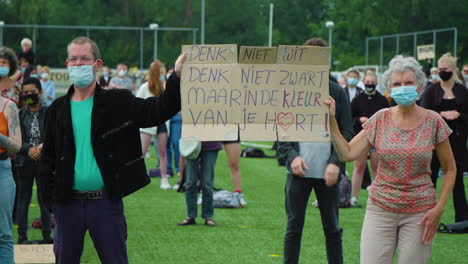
[(316, 42), (84, 40), (29, 70), (32, 80), (9, 55)]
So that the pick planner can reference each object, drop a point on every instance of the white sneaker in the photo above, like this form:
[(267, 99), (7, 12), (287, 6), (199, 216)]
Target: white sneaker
[(353, 201), (165, 184), (148, 155), (241, 200), (199, 201), (315, 204), (176, 186)]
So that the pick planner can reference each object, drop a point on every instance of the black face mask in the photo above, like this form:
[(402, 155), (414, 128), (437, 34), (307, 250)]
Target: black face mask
[(370, 88), (445, 75), (31, 99)]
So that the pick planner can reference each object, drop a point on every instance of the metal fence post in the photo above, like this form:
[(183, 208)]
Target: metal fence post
[(141, 49)]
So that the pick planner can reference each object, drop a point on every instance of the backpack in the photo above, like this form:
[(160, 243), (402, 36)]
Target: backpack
[(345, 191)]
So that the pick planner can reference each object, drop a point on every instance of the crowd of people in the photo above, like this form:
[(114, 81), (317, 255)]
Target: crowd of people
[(86, 150)]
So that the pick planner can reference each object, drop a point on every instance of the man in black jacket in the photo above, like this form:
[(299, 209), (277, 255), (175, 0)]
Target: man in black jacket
[(315, 165), (92, 155)]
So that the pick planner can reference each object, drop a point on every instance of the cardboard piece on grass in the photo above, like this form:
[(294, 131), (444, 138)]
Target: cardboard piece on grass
[(34, 254)]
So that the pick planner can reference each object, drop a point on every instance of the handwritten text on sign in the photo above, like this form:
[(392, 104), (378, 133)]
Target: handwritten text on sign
[(262, 99)]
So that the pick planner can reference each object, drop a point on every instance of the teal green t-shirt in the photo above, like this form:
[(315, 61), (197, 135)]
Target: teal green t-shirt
[(88, 177)]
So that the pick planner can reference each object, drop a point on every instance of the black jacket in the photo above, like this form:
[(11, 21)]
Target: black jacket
[(290, 150), (365, 105), (432, 99), (102, 81), (359, 91), (116, 118), (25, 116)]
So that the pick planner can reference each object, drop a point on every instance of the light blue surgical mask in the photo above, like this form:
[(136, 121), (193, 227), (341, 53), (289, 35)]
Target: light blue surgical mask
[(34, 75), (404, 95), (435, 77), (162, 78), (23, 69), (82, 76), (352, 81), (4, 70)]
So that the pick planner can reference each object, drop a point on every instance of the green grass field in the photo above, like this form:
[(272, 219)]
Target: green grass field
[(253, 234)]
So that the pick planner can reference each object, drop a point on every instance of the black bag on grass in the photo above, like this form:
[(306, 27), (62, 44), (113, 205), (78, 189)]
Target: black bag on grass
[(345, 191), (251, 152), (457, 228)]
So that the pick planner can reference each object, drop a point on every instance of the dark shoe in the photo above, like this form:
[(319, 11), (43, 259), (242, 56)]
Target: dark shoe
[(26, 242), (187, 221), (46, 241), (210, 222), (356, 205), (23, 240)]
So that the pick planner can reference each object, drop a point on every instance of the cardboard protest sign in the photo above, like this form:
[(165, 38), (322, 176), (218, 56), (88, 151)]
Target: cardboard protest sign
[(426, 52), (34, 254), (304, 73), (206, 81), (271, 94)]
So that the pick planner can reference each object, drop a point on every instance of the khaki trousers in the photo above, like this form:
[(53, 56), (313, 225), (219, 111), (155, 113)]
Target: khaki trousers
[(384, 232)]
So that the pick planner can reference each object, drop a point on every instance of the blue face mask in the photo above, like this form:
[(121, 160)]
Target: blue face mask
[(162, 78), (34, 75), (82, 76), (4, 70), (23, 69), (404, 95), (352, 81)]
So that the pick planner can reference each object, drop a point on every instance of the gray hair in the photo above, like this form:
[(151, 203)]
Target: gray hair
[(9, 55), (26, 42), (84, 40), (400, 63)]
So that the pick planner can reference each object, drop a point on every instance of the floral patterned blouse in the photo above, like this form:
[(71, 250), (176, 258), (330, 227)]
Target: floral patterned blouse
[(403, 181)]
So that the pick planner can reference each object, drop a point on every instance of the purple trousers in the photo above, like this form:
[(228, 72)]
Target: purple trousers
[(105, 221)]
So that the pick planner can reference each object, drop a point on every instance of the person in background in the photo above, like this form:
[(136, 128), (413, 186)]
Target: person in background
[(31, 71), (122, 81), (342, 80), (10, 142), (173, 153), (32, 118), (26, 51), (465, 74), (315, 166), (105, 78), (450, 99), (434, 76), (9, 89), (233, 151), (201, 169), (48, 87), (155, 87), (402, 212), (363, 107), (352, 79)]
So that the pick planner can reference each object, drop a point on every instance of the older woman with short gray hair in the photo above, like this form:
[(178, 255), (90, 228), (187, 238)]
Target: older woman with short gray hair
[(402, 212)]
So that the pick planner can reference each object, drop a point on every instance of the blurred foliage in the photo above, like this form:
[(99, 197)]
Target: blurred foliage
[(243, 22)]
